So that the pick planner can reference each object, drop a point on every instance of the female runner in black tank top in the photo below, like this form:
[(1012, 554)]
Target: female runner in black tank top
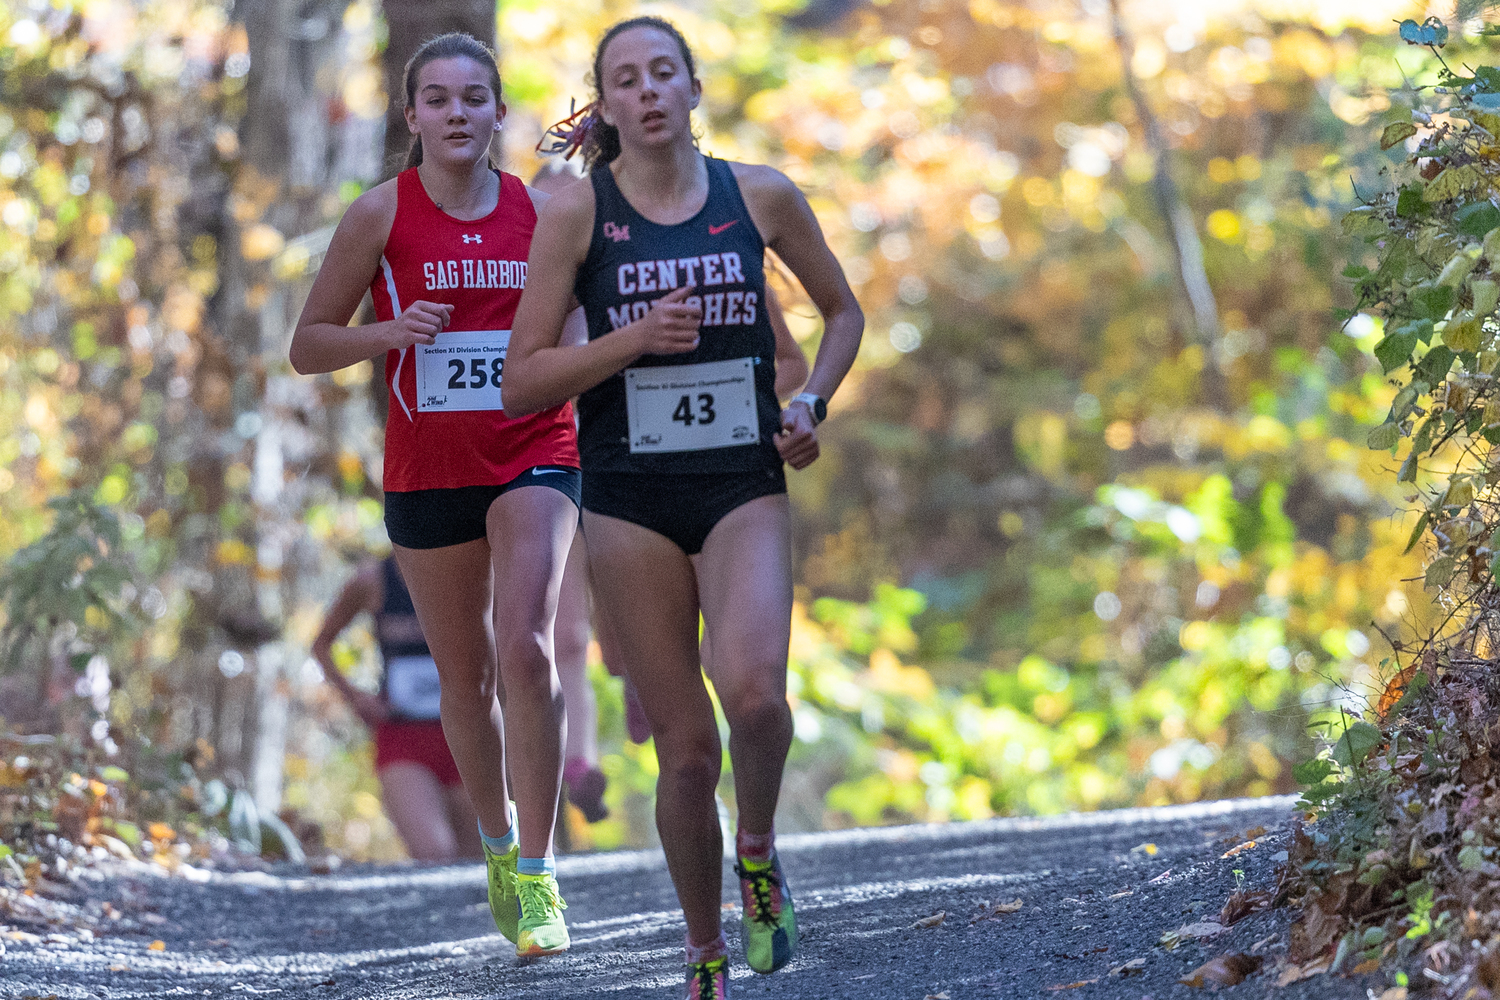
[(682, 440)]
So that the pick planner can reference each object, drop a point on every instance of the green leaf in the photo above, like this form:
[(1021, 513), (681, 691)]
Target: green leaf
[(1356, 743), (1394, 349), (1311, 772), (1452, 182), (1356, 271), (1470, 858), (1462, 333), (1416, 532), (1363, 223), (1440, 572), (5, 851), (1486, 296), (112, 773), (1477, 218), (1384, 437), (1432, 302), (1396, 132), (1460, 493), (1409, 202), (1434, 366)]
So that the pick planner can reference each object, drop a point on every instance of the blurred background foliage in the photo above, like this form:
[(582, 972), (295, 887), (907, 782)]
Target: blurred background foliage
[(1095, 523)]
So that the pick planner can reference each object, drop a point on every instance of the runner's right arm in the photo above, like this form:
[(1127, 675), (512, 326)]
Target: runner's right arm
[(323, 341), (539, 371), (365, 591)]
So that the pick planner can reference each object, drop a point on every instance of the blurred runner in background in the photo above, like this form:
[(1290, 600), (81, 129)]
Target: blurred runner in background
[(419, 783)]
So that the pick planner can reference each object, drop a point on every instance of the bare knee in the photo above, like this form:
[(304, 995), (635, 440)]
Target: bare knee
[(692, 763), (525, 665), (756, 708), (465, 689)]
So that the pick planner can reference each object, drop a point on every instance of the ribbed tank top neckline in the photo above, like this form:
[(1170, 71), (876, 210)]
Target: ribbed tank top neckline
[(417, 189), (715, 181)]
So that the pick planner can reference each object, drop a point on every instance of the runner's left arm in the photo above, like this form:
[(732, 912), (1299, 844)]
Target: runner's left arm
[(791, 363), (788, 226)]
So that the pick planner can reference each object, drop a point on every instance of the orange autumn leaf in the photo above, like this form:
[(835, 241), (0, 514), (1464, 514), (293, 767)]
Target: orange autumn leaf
[(1394, 690), (161, 831), (158, 945)]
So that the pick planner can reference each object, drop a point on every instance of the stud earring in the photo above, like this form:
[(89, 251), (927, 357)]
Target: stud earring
[(497, 126)]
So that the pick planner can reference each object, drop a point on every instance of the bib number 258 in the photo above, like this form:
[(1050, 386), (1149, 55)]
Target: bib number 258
[(462, 370), (475, 376)]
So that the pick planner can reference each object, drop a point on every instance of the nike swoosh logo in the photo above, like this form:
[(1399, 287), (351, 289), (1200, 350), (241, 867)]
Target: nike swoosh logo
[(716, 230), (547, 472)]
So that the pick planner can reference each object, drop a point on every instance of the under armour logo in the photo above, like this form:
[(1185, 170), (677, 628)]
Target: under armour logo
[(617, 233), (476, 238)]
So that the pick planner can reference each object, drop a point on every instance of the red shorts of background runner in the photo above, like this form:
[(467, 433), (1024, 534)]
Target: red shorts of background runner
[(419, 743)]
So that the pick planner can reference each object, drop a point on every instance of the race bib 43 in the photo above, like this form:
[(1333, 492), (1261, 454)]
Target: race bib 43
[(461, 370), (691, 407)]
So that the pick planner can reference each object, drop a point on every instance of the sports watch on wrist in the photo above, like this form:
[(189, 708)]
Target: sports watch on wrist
[(817, 404)]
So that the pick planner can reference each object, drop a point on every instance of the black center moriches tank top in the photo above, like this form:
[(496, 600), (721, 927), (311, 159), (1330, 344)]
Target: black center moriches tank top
[(713, 409)]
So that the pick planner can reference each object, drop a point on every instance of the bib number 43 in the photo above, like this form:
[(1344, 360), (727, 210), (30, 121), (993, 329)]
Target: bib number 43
[(684, 413), (691, 407)]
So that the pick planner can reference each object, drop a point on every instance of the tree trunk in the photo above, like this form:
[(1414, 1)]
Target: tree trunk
[(409, 23), (1182, 233)]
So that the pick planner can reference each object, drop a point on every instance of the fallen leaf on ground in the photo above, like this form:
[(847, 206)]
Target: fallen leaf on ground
[(1122, 895), (999, 909), (1226, 970), (119, 968), (1366, 967), (1147, 849), (1241, 849), (936, 996), (1130, 968), (1241, 904), (1394, 993), (1071, 986), (1191, 932), (1255, 833), (932, 921), (1294, 973), (157, 946), (1160, 878)]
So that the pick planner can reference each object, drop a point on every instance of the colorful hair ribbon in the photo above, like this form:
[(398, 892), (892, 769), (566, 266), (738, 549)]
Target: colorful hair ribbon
[(568, 136)]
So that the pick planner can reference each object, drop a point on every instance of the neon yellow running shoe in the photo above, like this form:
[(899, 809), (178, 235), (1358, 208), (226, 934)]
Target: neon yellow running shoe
[(542, 931), (504, 905), (769, 925), (708, 980)]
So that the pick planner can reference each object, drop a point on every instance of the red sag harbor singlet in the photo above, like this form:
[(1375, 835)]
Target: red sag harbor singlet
[(445, 428)]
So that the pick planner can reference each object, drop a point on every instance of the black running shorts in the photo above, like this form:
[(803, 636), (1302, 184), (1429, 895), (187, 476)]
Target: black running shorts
[(684, 508), (431, 519)]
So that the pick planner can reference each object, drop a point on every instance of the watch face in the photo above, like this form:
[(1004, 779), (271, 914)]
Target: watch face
[(820, 409)]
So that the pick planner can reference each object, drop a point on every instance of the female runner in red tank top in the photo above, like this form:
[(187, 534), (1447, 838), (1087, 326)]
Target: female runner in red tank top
[(480, 509)]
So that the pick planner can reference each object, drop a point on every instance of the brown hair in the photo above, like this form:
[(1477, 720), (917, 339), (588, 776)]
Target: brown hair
[(602, 142), (454, 45)]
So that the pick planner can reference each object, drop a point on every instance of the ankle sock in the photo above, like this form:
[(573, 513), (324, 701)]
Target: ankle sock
[(503, 843), (755, 846), (536, 866), (700, 953)]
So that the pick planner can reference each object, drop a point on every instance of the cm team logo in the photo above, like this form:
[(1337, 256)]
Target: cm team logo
[(617, 233)]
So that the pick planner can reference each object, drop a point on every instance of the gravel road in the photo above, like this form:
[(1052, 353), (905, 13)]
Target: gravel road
[(1093, 898)]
